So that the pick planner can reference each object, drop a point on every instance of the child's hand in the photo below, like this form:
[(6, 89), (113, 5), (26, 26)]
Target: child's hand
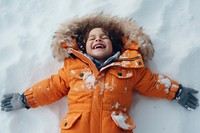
[(186, 98), (12, 102)]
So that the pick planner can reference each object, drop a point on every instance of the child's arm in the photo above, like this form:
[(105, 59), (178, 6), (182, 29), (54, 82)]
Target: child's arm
[(47, 91), (160, 86), (44, 92)]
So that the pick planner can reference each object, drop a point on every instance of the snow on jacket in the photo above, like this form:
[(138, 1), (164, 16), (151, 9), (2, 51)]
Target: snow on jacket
[(99, 100)]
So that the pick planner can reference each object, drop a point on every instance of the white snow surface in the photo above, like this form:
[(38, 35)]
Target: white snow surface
[(26, 29)]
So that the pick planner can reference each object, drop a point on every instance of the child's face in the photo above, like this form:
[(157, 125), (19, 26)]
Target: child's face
[(98, 44)]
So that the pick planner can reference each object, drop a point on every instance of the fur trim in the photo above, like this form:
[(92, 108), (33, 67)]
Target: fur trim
[(127, 27)]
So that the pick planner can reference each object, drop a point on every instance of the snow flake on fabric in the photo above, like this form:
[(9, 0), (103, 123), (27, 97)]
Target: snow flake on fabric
[(125, 63), (72, 72), (102, 90), (167, 90), (90, 80), (101, 75), (120, 120), (129, 74), (113, 82), (107, 86), (82, 86), (116, 106), (125, 89), (166, 81), (175, 86), (32, 100)]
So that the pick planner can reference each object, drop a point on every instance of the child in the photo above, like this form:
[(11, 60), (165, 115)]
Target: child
[(103, 63)]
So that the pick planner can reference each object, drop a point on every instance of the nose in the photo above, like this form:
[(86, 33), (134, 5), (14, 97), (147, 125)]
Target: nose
[(98, 39)]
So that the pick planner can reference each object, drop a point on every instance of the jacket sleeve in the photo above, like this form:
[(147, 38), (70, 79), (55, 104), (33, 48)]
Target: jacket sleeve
[(155, 85), (47, 91)]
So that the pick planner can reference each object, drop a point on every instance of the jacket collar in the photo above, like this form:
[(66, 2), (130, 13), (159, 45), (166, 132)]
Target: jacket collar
[(99, 64), (128, 59)]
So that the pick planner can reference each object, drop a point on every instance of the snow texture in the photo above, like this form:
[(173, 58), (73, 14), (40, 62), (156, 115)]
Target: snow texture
[(120, 120), (26, 29)]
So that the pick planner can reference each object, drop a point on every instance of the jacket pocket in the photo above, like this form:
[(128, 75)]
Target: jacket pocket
[(70, 119), (123, 121), (120, 81)]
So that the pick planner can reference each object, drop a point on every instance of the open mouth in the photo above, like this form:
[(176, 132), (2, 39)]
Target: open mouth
[(99, 46)]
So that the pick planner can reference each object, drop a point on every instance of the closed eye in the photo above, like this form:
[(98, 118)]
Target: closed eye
[(105, 37), (91, 38)]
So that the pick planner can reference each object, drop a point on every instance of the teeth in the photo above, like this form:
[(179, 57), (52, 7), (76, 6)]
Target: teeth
[(99, 46)]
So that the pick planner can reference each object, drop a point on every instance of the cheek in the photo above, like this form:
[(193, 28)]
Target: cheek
[(110, 46), (88, 46)]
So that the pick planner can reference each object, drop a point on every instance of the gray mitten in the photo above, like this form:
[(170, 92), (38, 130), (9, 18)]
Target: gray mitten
[(13, 101), (186, 98)]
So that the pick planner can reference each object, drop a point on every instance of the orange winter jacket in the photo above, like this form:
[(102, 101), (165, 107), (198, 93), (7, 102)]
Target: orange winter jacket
[(99, 100)]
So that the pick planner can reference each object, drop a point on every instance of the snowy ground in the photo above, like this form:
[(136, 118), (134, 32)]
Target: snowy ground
[(26, 29)]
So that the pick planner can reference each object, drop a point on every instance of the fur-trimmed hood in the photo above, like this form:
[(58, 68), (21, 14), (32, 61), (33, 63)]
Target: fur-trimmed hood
[(64, 37)]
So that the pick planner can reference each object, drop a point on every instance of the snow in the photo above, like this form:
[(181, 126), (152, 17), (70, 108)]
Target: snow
[(120, 119), (129, 74), (164, 80), (116, 106), (90, 80), (26, 29)]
